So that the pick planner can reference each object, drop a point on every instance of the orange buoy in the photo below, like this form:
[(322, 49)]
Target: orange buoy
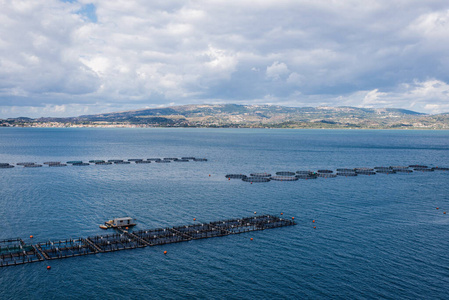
[(293, 218), (209, 175), (255, 212), (165, 252), (126, 228), (438, 208), (229, 178), (313, 221), (48, 267), (282, 214), (251, 183), (31, 236), (194, 219), (314, 227), (251, 239), (444, 212)]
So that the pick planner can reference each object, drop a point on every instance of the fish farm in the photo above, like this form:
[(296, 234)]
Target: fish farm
[(101, 162), (16, 252), (340, 172)]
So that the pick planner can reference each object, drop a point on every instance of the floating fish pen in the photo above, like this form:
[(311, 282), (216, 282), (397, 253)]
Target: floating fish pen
[(200, 159), (153, 159), (347, 174), (96, 161), (402, 171), (6, 166), (256, 179), (103, 163), (364, 169), (181, 160), (143, 162), (418, 166), (115, 160), (283, 178), (260, 174), (163, 161), (65, 249), (188, 157), (441, 169), (58, 165), (81, 164), (33, 166), (385, 171), (327, 175), (285, 173), (424, 169), (307, 176), (170, 158), (52, 163), (325, 171), (72, 162), (399, 167), (25, 163), (365, 173), (135, 159), (345, 170), (304, 172), (16, 252), (122, 162), (236, 176)]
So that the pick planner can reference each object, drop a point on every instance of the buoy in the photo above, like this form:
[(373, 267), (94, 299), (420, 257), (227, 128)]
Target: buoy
[(314, 227), (126, 228), (251, 183), (293, 218), (282, 214), (313, 221), (255, 212), (438, 208), (229, 178), (194, 219), (31, 236), (209, 175), (165, 252), (48, 267), (251, 239), (444, 212)]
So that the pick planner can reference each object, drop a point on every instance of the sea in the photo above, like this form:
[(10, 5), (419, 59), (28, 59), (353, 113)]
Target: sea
[(364, 237)]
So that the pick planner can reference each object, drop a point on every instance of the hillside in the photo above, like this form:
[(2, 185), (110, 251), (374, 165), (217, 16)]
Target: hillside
[(273, 116)]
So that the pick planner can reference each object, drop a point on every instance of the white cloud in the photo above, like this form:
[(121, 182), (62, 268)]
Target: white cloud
[(135, 53)]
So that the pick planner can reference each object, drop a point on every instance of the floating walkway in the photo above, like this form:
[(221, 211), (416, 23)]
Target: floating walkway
[(16, 252)]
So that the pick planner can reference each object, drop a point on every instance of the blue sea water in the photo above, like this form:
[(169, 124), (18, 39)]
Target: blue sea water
[(376, 236)]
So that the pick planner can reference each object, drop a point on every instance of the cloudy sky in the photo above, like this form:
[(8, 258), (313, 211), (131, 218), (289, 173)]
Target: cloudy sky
[(67, 58)]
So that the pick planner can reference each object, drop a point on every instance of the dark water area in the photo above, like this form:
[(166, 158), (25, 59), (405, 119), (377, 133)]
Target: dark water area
[(376, 236)]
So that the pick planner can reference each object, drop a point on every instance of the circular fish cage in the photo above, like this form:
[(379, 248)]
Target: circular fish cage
[(58, 165), (73, 162), (325, 171), (122, 162), (347, 174), (143, 162), (103, 163), (345, 170), (366, 173), (52, 162), (115, 160), (307, 176), (260, 174), (236, 176), (327, 175), (96, 161), (256, 179), (304, 172), (418, 166), (283, 178), (423, 169), (385, 171), (441, 169), (403, 171), (81, 164), (24, 163), (200, 159), (285, 173), (181, 160), (6, 166), (33, 166), (135, 159)]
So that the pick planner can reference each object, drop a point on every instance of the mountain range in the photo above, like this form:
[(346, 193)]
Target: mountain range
[(233, 115)]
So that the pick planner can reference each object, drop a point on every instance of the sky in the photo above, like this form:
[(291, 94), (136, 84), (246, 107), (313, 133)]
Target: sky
[(69, 58)]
